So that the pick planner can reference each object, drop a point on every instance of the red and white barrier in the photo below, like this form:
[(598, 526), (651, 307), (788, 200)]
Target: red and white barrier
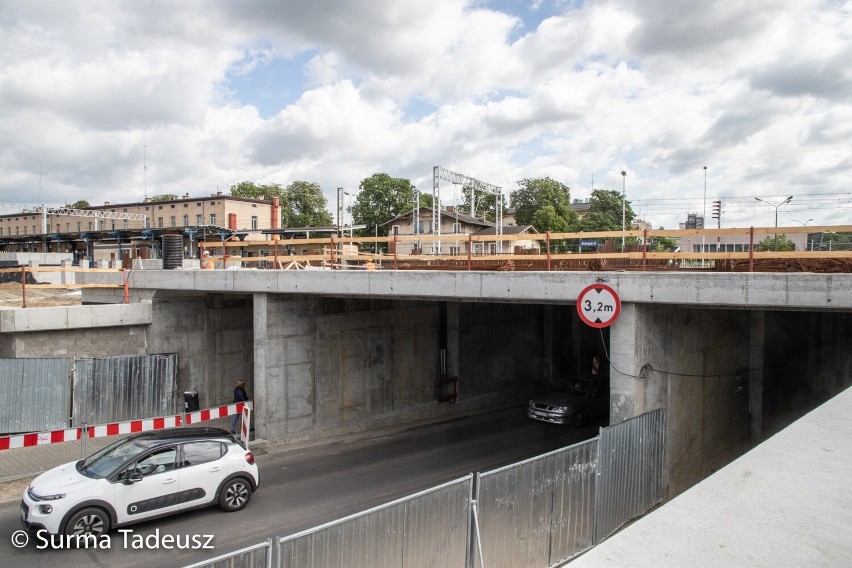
[(115, 428)]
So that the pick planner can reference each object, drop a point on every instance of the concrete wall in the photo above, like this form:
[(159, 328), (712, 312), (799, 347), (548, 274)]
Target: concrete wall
[(335, 365), (95, 342), (695, 364), (212, 335), (503, 347)]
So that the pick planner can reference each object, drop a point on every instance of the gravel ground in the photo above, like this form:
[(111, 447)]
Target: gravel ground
[(40, 297)]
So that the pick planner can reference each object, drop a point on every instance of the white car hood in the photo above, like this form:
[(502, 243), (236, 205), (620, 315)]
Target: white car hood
[(62, 479)]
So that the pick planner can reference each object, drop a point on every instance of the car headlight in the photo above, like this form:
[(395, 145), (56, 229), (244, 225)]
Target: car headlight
[(560, 409), (53, 497)]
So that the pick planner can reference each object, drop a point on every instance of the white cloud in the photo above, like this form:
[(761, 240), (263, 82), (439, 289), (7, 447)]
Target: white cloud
[(759, 92)]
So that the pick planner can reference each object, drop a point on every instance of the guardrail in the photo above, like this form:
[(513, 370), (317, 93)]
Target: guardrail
[(548, 251)]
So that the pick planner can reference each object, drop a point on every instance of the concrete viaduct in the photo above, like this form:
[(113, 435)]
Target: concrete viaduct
[(733, 357)]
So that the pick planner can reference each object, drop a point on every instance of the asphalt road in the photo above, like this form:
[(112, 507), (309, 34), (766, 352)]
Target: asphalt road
[(306, 486)]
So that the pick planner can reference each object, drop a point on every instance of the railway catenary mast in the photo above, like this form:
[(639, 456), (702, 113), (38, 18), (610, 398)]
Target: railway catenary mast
[(440, 173)]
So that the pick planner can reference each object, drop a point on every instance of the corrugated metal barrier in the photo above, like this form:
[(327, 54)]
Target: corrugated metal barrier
[(35, 394), (38, 395), (430, 528), (255, 556), (540, 512), (113, 389), (631, 470)]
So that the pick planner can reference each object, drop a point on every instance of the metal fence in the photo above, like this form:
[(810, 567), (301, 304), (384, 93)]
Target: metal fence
[(50, 394), (539, 512), (113, 389), (430, 528), (255, 556), (39, 395), (35, 394)]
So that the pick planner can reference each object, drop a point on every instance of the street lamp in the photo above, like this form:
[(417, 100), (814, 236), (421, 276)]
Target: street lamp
[(703, 217), (804, 224), (623, 206), (776, 206)]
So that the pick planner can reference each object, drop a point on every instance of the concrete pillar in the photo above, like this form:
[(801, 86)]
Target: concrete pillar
[(67, 277), (452, 339), (260, 387), (757, 336), (626, 392)]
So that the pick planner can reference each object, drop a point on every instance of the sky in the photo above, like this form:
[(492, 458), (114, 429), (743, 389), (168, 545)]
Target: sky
[(117, 100)]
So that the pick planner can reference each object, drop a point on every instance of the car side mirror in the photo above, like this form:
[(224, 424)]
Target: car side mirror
[(134, 477)]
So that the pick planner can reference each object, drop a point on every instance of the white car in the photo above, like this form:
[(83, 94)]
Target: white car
[(141, 477)]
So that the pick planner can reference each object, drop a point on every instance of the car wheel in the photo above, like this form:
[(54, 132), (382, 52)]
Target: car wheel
[(235, 494), (579, 418), (92, 521)]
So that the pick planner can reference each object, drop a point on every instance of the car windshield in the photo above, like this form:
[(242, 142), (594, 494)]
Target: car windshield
[(574, 386), (105, 462)]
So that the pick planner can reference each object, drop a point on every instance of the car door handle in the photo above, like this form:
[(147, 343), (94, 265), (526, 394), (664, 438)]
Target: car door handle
[(169, 480), (215, 468)]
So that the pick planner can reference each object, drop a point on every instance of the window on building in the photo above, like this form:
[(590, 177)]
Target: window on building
[(67, 227), (90, 225), (16, 230), (212, 218), (395, 230), (457, 227), (160, 222), (186, 220), (79, 226), (455, 250), (199, 220), (59, 227), (254, 222), (173, 221), (126, 224), (25, 229)]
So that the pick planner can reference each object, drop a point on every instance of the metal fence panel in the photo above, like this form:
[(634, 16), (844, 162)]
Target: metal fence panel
[(114, 389), (573, 516), (630, 462), (427, 529), (35, 394), (256, 556), (539, 510)]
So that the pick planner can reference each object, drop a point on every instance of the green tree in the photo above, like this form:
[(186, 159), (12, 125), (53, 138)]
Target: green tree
[(547, 219), (302, 202), (251, 190), (380, 199), (662, 243), (164, 197), (81, 204), (534, 194), (770, 243), (605, 212), (304, 205)]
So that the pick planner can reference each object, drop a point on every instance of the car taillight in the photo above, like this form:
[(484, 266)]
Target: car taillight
[(249, 458)]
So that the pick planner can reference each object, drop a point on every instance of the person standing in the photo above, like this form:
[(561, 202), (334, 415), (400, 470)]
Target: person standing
[(240, 395)]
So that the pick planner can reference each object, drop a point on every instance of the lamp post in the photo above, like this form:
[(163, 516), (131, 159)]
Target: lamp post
[(623, 206), (776, 206), (703, 217)]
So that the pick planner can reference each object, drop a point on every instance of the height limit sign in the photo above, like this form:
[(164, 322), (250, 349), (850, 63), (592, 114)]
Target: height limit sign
[(598, 305)]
